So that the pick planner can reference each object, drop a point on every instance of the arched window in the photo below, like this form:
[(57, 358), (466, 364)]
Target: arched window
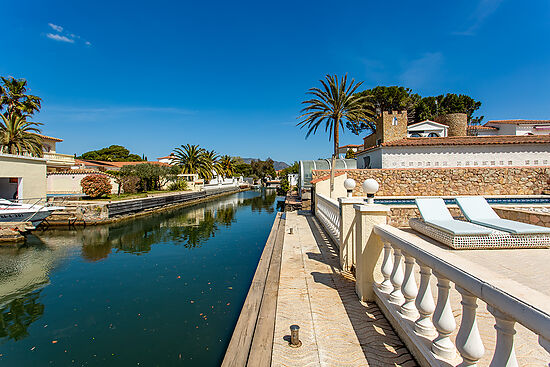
[(416, 135), (433, 135)]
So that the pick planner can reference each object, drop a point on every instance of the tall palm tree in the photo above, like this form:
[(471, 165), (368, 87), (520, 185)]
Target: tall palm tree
[(335, 105), (193, 159), (14, 98), (18, 136)]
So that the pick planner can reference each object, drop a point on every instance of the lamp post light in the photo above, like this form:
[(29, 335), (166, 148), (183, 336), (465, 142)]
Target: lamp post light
[(370, 187), (349, 184)]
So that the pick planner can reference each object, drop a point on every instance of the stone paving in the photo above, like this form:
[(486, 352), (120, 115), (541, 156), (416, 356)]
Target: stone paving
[(336, 329)]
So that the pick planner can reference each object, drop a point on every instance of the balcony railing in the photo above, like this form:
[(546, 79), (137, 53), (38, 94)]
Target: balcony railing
[(407, 266), (59, 158), (328, 212)]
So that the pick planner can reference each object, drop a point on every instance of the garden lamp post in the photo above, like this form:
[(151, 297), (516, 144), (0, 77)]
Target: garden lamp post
[(349, 184), (370, 187)]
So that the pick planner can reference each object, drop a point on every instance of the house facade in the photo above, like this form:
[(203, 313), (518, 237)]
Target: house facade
[(514, 127), (55, 161), (22, 177)]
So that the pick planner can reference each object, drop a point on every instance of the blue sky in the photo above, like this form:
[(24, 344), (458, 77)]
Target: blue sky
[(230, 76)]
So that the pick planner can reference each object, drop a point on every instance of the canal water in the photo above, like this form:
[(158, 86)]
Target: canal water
[(162, 290)]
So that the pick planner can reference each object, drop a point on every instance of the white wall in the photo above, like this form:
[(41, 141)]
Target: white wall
[(375, 156), (465, 156), (31, 172), (70, 183)]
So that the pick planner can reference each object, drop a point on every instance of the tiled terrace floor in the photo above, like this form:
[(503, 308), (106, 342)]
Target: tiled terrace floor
[(336, 329)]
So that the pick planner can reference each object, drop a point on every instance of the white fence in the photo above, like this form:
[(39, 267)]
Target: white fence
[(405, 296), (328, 212)]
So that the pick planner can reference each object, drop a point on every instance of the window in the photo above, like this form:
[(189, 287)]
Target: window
[(419, 164), (510, 163), (536, 162), (416, 135), (411, 164), (545, 162), (445, 163), (402, 164), (433, 135), (436, 164), (501, 163), (493, 163), (394, 121), (459, 163), (467, 163), (366, 162), (527, 162), (427, 164), (476, 163), (484, 163)]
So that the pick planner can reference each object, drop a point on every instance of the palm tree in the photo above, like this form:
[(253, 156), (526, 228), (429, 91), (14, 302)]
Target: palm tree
[(226, 166), (193, 159), (335, 106), (14, 99), (212, 159), (18, 136)]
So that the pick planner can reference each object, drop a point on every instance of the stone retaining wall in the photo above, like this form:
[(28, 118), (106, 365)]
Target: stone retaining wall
[(523, 215), (452, 181)]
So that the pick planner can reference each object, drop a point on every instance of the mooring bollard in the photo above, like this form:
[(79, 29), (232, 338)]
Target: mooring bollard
[(294, 336), (290, 230)]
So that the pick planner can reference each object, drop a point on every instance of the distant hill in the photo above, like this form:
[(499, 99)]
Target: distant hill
[(277, 165)]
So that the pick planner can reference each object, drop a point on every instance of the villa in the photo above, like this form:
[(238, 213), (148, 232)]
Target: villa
[(435, 144)]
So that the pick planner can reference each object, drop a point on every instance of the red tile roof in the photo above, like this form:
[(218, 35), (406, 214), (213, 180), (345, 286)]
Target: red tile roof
[(518, 122), (482, 127), (466, 140), (89, 162), (351, 146), (85, 171), (48, 137), (326, 177)]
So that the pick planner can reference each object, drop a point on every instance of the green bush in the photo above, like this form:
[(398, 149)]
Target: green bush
[(131, 184), (96, 186), (179, 185)]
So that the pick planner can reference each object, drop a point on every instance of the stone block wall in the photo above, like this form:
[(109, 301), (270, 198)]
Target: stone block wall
[(452, 181), (457, 122), (525, 216)]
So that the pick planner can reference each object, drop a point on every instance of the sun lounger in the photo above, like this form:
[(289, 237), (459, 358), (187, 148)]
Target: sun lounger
[(435, 213), (438, 224), (478, 211)]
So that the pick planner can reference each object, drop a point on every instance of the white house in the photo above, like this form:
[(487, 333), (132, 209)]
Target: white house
[(458, 151), (427, 129), (168, 159), (513, 127)]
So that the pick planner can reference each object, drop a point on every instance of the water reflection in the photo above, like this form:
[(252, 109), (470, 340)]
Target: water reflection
[(24, 272)]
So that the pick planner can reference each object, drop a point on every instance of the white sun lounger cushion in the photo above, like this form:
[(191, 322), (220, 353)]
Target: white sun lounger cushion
[(477, 210), (435, 213)]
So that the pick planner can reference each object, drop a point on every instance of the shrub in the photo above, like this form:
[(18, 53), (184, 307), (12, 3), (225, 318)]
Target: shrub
[(179, 185), (96, 186), (131, 184)]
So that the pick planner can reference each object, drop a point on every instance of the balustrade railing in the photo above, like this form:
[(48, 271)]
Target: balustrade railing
[(421, 320), (328, 212)]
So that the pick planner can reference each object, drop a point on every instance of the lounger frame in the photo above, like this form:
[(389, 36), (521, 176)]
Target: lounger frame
[(495, 240)]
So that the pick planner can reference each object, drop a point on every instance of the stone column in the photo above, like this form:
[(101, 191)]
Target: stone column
[(368, 248), (347, 231)]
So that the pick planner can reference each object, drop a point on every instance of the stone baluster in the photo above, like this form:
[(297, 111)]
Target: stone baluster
[(396, 278), (443, 320), (387, 265), (409, 289), (425, 304), (468, 340), (505, 354)]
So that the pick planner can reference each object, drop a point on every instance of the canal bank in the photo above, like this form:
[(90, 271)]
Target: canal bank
[(78, 213)]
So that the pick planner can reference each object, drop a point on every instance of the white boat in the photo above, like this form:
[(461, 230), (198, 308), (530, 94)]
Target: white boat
[(18, 212)]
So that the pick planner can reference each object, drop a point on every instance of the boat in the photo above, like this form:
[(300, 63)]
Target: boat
[(18, 212)]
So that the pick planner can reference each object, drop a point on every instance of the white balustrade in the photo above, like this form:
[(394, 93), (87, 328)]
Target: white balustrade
[(417, 305), (328, 212)]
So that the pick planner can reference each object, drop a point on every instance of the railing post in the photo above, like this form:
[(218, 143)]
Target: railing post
[(468, 340), (368, 248), (505, 354), (396, 278), (425, 304), (347, 232), (387, 266), (409, 289), (443, 320)]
